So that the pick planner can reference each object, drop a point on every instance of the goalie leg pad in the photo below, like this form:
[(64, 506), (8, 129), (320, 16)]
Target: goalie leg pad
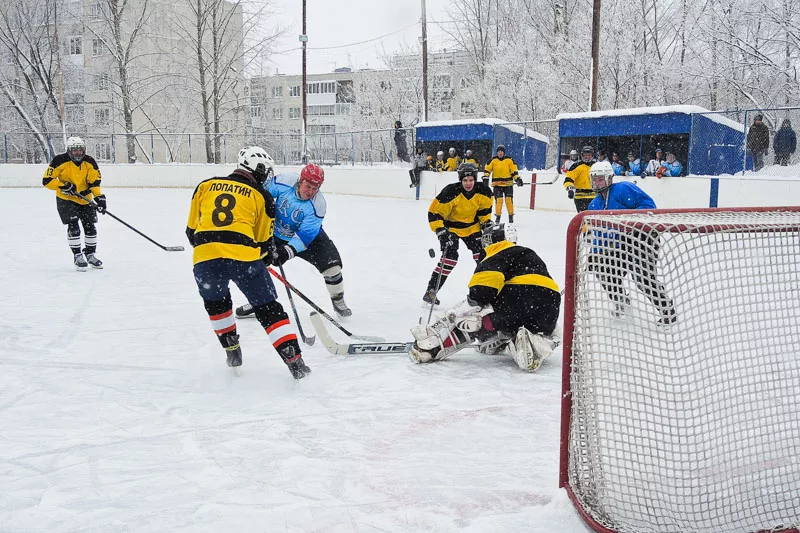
[(529, 350)]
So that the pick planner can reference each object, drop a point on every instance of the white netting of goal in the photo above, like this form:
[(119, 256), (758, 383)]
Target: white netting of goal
[(692, 426)]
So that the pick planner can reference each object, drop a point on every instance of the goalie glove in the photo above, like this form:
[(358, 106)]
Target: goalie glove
[(571, 192)]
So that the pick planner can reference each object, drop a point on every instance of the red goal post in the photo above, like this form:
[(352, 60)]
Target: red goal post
[(693, 426)]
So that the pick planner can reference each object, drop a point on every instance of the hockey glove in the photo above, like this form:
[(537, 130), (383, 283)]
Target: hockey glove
[(485, 180), (571, 192), (68, 188), (101, 203), (282, 253), (446, 238), (519, 182)]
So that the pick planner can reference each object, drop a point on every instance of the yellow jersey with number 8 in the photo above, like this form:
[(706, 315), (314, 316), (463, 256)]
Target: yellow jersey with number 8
[(230, 217)]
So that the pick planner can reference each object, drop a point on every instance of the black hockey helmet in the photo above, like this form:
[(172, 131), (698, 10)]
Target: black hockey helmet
[(498, 233), (467, 169)]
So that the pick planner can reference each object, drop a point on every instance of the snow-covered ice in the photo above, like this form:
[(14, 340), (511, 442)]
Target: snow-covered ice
[(119, 414)]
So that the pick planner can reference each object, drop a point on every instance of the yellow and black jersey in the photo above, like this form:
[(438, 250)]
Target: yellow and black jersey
[(515, 281), (451, 165), (503, 171), (441, 165), (85, 176), (578, 177), (460, 211), (231, 217), (473, 161)]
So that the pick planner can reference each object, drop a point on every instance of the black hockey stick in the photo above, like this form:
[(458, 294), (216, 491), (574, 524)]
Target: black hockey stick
[(438, 280), (356, 348), (319, 310), (112, 215), (307, 340)]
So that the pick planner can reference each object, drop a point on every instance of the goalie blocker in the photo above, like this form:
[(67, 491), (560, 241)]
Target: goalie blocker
[(513, 304)]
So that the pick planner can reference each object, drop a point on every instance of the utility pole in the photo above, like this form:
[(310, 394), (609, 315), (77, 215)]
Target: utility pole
[(424, 63), (60, 76), (304, 40), (595, 52)]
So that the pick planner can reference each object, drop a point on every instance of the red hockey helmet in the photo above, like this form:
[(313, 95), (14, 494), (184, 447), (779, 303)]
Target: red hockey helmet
[(313, 174)]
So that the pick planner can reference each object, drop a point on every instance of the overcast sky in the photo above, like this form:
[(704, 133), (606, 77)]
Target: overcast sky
[(334, 23)]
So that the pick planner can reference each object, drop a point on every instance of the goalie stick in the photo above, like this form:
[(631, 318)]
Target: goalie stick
[(355, 348)]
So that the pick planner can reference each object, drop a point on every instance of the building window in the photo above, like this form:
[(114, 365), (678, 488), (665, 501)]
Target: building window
[(321, 110), (277, 113), (95, 11), (255, 111), (98, 48), (277, 92), (75, 46), (102, 82), (323, 87), (74, 114), (294, 90), (325, 128), (102, 151), (102, 116), (441, 82), (294, 112), (466, 108)]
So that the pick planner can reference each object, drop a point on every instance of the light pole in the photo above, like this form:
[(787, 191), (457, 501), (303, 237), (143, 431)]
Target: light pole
[(304, 40), (595, 52), (424, 63)]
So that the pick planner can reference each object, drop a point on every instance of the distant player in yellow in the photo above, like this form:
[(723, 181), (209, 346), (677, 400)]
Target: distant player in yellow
[(577, 182), (440, 163), (230, 227), (468, 158), (504, 174), (451, 165), (70, 174)]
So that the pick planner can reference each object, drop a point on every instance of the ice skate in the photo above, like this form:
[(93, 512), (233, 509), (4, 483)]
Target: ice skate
[(529, 350), (298, 368), (430, 297), (245, 311), (94, 261), (80, 263), (233, 350), (341, 307)]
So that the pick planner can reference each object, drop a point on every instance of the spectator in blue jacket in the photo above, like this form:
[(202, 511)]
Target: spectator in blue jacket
[(621, 250), (617, 165), (634, 166), (784, 143), (672, 167)]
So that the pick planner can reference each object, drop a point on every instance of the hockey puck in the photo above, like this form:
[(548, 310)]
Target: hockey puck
[(431, 252)]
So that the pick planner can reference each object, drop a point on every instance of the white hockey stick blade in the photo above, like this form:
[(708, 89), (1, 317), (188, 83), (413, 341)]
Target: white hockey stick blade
[(355, 348)]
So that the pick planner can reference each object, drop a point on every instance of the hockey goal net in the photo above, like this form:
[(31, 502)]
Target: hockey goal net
[(691, 426)]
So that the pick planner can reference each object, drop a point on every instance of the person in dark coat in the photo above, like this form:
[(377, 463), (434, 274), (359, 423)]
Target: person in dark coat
[(785, 143), (400, 142), (758, 141)]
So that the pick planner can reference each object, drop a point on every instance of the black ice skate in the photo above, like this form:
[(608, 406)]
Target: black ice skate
[(80, 263), (430, 297), (94, 261), (510, 219), (233, 350), (245, 311), (298, 368), (340, 307)]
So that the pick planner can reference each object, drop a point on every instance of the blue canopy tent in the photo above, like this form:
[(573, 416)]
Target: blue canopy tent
[(705, 142), (525, 146)]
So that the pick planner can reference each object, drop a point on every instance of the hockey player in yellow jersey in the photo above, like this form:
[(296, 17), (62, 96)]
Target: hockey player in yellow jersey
[(513, 303), (577, 181), (440, 163), (453, 161), (504, 175), (230, 227), (469, 158), (72, 174), (457, 213)]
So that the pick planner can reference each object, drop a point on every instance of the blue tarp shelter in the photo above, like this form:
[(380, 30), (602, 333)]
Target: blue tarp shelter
[(705, 142), (525, 146)]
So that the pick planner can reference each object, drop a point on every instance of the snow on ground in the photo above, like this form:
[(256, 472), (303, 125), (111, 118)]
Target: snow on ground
[(119, 414)]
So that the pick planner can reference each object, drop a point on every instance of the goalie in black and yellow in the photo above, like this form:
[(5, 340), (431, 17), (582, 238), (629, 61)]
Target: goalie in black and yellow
[(75, 177), (504, 175), (231, 227), (513, 303), (457, 213)]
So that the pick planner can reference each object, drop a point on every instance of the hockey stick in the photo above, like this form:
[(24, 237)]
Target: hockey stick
[(307, 340), (356, 348), (112, 215), (438, 280), (319, 310)]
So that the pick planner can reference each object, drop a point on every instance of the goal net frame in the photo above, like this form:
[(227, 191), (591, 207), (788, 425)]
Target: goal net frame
[(577, 237)]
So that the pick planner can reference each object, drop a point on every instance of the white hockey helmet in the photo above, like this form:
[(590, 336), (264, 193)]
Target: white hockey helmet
[(440, 154), (257, 161), (498, 233), (76, 149), (451, 151), (601, 175)]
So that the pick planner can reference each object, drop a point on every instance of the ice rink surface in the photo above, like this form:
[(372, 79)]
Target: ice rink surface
[(119, 414)]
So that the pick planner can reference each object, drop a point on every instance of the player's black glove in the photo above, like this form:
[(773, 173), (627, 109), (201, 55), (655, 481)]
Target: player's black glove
[(519, 182), (282, 253), (101, 203), (68, 188), (446, 238), (485, 180), (570, 192)]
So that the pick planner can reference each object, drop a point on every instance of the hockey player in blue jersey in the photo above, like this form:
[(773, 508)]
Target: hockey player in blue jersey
[(300, 210), (618, 253)]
